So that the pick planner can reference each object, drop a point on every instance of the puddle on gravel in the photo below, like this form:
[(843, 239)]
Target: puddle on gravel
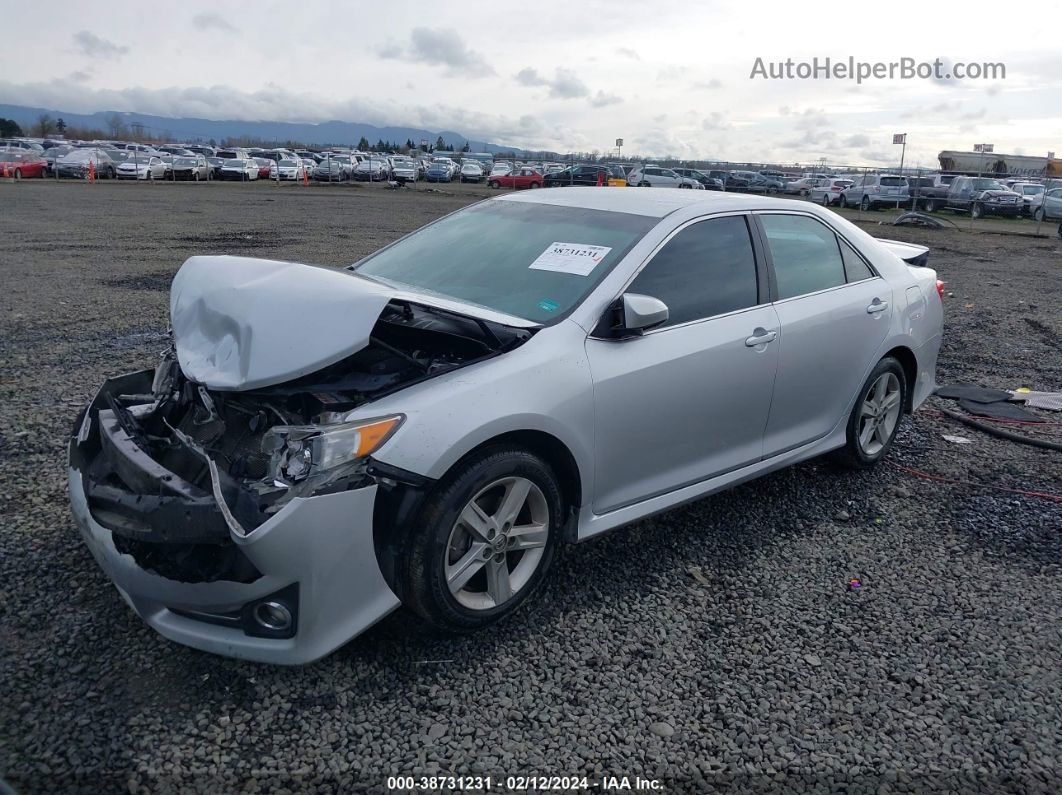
[(150, 281), (234, 241)]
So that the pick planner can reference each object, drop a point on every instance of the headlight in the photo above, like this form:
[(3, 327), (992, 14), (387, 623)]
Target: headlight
[(297, 451)]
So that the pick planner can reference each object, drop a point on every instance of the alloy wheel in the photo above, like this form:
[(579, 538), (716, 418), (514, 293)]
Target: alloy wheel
[(879, 414), (497, 543)]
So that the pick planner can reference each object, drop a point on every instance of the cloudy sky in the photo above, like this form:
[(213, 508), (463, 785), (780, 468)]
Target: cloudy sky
[(668, 77)]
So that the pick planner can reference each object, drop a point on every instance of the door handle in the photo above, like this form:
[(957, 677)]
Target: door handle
[(760, 337), (877, 306)]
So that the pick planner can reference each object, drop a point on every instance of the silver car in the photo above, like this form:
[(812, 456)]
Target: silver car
[(426, 427)]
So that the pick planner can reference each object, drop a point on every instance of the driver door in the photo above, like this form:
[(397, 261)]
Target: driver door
[(690, 399)]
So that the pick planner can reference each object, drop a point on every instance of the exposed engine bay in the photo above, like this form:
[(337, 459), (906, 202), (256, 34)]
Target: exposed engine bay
[(172, 467)]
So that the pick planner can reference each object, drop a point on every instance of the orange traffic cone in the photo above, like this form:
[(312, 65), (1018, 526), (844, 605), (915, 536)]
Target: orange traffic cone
[(92, 172), (600, 179), (305, 178)]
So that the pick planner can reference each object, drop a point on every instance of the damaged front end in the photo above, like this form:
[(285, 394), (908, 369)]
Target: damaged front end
[(172, 467), (185, 479)]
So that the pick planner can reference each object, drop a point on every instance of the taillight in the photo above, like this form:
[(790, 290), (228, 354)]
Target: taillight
[(940, 289), (835, 187)]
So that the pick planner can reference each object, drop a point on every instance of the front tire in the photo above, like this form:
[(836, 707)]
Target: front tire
[(483, 542), (495, 184), (976, 211), (18, 175), (875, 417)]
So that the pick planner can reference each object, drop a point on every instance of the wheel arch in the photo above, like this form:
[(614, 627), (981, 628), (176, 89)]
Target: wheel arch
[(402, 493), (909, 362)]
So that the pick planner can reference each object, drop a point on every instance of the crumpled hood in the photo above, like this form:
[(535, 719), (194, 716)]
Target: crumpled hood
[(244, 323)]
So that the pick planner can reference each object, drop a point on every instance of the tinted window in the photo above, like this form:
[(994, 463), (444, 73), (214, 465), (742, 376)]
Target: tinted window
[(705, 270), (893, 181), (805, 254), (855, 269)]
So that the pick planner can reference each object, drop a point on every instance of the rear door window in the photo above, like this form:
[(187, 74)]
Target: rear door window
[(805, 254)]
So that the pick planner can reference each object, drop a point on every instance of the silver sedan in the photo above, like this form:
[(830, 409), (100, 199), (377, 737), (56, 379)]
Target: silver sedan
[(426, 427)]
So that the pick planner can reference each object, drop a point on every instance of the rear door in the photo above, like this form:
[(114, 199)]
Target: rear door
[(690, 399), (833, 313)]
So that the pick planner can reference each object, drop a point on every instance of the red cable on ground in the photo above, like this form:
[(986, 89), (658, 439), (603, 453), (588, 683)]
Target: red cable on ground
[(941, 479)]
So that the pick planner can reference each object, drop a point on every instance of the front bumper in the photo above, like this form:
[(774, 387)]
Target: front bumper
[(320, 548), (1009, 210)]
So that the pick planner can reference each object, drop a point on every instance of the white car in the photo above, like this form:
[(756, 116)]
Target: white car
[(828, 191), (658, 177), (502, 169), (142, 168), (471, 172), (288, 169), (1031, 194), (403, 169), (240, 169)]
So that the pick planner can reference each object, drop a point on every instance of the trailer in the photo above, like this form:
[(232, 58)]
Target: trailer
[(995, 163)]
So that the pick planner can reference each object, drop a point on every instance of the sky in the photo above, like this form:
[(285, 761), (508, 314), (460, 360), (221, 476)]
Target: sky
[(670, 78)]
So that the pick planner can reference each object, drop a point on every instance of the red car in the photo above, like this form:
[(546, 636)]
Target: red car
[(19, 163), (524, 178), (264, 166)]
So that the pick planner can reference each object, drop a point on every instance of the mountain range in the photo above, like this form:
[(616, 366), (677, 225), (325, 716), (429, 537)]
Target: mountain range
[(329, 133)]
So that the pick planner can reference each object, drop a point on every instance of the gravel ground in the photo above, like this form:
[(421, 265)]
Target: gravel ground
[(718, 645)]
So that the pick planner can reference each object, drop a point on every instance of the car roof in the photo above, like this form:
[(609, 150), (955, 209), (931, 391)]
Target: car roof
[(653, 203)]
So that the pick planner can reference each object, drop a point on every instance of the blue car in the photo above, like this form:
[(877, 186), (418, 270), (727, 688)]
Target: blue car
[(438, 173)]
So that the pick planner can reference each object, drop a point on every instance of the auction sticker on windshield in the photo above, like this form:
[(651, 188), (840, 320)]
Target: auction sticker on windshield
[(576, 258)]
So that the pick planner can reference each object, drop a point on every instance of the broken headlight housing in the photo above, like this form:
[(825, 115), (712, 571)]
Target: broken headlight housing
[(298, 451)]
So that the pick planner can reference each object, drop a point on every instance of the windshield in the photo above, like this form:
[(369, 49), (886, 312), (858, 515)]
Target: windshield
[(987, 184), (235, 164), (484, 254), (185, 161)]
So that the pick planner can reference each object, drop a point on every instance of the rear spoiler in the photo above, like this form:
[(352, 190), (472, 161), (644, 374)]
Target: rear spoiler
[(911, 253)]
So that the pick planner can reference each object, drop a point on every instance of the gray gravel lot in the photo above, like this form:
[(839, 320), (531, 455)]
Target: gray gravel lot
[(718, 645)]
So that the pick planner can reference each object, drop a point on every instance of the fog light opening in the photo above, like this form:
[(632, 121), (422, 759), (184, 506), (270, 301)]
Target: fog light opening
[(273, 616)]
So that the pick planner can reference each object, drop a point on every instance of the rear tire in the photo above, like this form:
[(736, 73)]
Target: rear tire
[(440, 540), (930, 206), (1040, 215), (865, 204), (875, 417), (826, 200), (534, 185), (18, 175)]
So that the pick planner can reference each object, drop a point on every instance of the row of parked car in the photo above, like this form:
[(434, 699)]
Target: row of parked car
[(978, 196)]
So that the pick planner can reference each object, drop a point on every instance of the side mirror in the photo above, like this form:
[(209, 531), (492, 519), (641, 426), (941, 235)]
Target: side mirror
[(631, 315)]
